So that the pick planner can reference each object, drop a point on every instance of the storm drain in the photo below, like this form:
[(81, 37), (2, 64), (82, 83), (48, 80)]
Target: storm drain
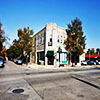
[(18, 90)]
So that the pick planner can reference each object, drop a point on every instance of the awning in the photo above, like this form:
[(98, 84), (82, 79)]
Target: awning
[(50, 53)]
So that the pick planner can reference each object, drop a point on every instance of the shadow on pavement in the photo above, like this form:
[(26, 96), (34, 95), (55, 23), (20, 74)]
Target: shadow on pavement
[(86, 82)]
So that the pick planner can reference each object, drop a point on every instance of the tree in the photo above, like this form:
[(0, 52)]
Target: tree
[(25, 41), (98, 51), (89, 51), (75, 42), (10, 52), (93, 51), (3, 52), (14, 50), (2, 37), (17, 49), (22, 47)]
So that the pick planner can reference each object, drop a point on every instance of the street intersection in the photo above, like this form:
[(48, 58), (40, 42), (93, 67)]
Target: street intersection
[(25, 83)]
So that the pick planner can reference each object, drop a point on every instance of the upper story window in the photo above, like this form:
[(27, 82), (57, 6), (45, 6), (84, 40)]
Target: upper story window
[(50, 40), (39, 39), (43, 39), (58, 39), (37, 42), (61, 39)]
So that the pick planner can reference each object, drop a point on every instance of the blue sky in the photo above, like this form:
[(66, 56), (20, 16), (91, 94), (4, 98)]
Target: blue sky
[(15, 14)]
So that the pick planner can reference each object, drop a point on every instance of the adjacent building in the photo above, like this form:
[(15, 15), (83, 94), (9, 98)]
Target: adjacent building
[(49, 46)]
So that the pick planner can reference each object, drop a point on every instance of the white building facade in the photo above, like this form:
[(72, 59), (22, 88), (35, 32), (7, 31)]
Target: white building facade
[(50, 48)]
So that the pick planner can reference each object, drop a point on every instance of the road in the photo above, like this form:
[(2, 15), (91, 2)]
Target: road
[(49, 84)]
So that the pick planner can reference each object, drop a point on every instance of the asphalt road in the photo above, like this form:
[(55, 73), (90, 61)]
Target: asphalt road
[(49, 84)]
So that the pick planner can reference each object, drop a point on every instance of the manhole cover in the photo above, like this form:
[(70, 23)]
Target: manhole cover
[(18, 91), (27, 73)]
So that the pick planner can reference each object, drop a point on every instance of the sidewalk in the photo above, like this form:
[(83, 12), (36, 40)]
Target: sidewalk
[(36, 66)]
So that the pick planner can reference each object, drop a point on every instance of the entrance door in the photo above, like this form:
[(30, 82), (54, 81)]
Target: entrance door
[(50, 56), (50, 60)]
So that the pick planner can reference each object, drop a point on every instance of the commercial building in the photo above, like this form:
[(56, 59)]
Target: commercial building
[(49, 46)]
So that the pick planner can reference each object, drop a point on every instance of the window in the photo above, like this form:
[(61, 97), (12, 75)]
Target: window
[(39, 39), (37, 42), (58, 39), (42, 39), (50, 40), (61, 39)]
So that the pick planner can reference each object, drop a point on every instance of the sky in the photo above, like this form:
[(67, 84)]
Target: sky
[(15, 14)]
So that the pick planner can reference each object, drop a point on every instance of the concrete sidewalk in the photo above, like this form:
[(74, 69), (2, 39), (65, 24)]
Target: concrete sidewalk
[(36, 66)]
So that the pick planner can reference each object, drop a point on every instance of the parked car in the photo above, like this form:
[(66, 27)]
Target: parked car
[(83, 62), (19, 61), (15, 60), (91, 62), (1, 62), (97, 62)]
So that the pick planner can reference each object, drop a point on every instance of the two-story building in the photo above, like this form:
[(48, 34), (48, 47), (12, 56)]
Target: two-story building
[(49, 46)]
